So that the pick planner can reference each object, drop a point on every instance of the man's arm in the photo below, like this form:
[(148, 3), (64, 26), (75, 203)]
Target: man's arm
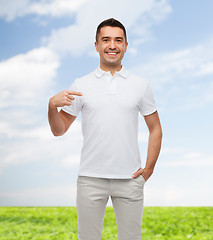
[(61, 121), (154, 145)]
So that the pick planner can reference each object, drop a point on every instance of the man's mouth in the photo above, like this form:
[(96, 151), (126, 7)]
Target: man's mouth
[(112, 53)]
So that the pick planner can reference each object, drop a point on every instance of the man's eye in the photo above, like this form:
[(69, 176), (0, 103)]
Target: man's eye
[(105, 40)]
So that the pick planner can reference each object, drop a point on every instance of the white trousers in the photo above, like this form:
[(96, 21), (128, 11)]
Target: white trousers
[(127, 198)]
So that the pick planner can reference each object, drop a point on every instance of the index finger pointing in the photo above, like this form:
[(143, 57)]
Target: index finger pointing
[(75, 93)]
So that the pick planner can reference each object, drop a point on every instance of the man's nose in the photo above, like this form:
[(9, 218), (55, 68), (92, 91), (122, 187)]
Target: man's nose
[(112, 45)]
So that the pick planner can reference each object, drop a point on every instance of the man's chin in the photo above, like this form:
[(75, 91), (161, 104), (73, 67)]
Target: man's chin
[(113, 62)]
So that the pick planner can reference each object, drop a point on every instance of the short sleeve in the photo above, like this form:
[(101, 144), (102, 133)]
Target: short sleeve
[(147, 103), (76, 105)]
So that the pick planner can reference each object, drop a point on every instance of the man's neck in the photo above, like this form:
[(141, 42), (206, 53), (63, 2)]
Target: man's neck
[(112, 69)]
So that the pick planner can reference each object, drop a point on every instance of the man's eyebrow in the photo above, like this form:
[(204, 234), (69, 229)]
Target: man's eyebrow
[(107, 37)]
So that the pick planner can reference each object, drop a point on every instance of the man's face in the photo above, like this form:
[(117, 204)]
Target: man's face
[(111, 46)]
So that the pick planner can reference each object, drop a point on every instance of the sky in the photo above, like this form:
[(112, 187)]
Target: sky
[(45, 45)]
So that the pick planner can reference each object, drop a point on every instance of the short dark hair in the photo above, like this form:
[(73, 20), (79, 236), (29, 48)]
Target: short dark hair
[(111, 22)]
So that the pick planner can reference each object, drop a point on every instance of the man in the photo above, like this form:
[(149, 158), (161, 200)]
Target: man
[(110, 100)]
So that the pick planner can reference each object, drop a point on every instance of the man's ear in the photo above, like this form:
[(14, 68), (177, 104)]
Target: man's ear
[(126, 46), (96, 47)]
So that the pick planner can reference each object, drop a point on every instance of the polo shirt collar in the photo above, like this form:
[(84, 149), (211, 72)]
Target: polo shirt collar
[(100, 73)]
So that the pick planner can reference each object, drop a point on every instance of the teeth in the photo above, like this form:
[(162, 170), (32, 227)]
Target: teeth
[(112, 53)]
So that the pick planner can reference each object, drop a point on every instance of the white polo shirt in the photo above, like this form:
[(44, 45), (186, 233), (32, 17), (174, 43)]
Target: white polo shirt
[(110, 108)]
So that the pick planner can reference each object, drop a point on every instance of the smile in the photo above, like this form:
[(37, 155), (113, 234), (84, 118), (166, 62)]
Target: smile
[(112, 53)]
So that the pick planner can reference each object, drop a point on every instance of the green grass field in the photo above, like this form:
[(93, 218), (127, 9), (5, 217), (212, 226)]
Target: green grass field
[(159, 223)]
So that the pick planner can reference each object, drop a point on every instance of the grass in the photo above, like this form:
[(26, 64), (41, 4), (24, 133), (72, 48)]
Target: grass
[(54, 223)]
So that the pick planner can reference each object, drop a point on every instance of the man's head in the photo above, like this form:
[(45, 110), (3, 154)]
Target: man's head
[(111, 43), (111, 22)]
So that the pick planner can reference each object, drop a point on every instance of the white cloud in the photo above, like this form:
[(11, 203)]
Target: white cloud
[(154, 195), (177, 78), (55, 8), (37, 143), (26, 77), (167, 150), (26, 80), (184, 65), (10, 10), (44, 196), (69, 162), (78, 38), (182, 157), (177, 195), (191, 159)]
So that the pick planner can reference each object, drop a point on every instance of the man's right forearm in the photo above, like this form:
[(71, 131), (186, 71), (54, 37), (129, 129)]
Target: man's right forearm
[(57, 124)]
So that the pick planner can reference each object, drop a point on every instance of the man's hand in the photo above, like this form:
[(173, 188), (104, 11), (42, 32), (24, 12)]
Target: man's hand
[(144, 172), (63, 98)]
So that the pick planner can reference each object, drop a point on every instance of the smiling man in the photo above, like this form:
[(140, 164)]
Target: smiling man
[(111, 43), (110, 100)]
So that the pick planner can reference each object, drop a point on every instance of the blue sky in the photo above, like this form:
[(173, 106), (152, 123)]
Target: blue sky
[(45, 45)]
